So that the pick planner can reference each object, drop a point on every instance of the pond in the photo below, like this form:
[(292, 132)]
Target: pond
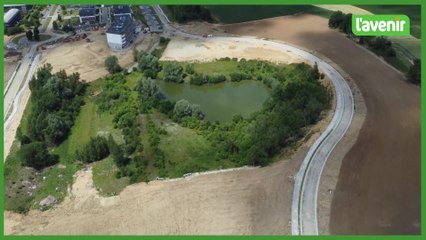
[(220, 102)]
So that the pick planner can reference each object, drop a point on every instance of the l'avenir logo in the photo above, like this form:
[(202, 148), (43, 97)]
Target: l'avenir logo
[(381, 25)]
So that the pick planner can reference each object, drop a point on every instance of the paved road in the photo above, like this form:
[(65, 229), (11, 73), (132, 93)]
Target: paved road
[(304, 207), (19, 82)]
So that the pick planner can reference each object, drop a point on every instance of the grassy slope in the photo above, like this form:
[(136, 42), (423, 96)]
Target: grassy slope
[(104, 178), (243, 13), (58, 177)]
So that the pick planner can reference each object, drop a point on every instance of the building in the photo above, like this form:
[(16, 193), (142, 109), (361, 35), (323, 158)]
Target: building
[(87, 15), (21, 7), (12, 17), (120, 34), (120, 10)]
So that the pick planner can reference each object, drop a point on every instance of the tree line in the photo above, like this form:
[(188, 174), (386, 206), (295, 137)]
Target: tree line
[(55, 102)]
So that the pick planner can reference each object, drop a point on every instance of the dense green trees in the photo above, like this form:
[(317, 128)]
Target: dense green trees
[(185, 13), (96, 149), (36, 34), (29, 35), (55, 102), (173, 72), (414, 73), (13, 30), (341, 21), (183, 108), (55, 25), (149, 65), (36, 155), (111, 64), (201, 79), (381, 45)]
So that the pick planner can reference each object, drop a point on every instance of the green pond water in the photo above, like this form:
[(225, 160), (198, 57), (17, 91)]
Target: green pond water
[(220, 102)]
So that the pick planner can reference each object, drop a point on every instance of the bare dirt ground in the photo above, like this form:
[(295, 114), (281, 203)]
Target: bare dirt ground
[(378, 190), (207, 49), (243, 201), (246, 201), (89, 58), (344, 8)]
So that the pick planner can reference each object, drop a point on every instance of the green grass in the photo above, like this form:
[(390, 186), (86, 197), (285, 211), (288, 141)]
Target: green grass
[(73, 12), (46, 24), (223, 67), (185, 150), (412, 11), (53, 10), (243, 13), (56, 179), (104, 178)]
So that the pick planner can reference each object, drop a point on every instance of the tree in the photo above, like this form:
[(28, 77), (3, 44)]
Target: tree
[(36, 34), (95, 150), (336, 19), (189, 68), (117, 152), (29, 35), (147, 89), (63, 7), (173, 72), (35, 155), (59, 18), (414, 73), (111, 64), (55, 25), (149, 64), (185, 13), (183, 108)]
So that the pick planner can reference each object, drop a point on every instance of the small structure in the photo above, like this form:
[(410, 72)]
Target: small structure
[(121, 10), (87, 15), (12, 17), (120, 34)]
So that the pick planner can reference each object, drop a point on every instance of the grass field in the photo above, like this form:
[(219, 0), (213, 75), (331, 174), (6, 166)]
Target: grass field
[(242, 13), (53, 180), (46, 24), (223, 67), (412, 11), (104, 178)]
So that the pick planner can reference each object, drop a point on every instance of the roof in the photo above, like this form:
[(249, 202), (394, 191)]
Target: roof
[(87, 12), (120, 25), (121, 9), (10, 14)]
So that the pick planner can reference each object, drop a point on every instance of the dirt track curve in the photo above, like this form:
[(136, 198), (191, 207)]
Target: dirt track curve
[(378, 190)]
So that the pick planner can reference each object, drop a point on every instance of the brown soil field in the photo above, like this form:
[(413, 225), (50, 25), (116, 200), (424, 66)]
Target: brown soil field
[(89, 58), (378, 190)]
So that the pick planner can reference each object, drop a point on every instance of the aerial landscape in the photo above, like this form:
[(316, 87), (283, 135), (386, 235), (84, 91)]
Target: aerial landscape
[(210, 120)]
